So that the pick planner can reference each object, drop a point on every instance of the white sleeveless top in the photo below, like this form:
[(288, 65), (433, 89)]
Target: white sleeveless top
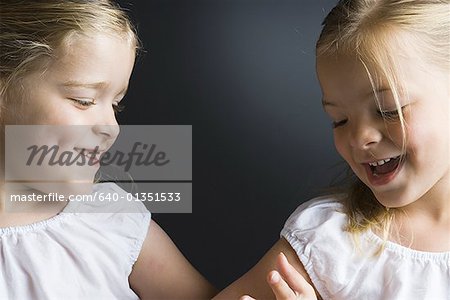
[(340, 272), (85, 252)]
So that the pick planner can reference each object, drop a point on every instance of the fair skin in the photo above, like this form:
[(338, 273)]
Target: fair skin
[(287, 283), (259, 283), (53, 98), (420, 185), (82, 87)]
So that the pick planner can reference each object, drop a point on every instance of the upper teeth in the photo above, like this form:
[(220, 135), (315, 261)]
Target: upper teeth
[(89, 153), (380, 162)]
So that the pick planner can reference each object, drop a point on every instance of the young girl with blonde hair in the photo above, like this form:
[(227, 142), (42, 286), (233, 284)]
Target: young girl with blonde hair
[(64, 67), (384, 70)]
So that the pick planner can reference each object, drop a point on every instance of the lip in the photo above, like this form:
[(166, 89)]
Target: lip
[(380, 180), (91, 161), (376, 160)]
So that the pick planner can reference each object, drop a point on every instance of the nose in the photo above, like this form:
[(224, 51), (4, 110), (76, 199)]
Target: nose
[(109, 132), (107, 127), (365, 134)]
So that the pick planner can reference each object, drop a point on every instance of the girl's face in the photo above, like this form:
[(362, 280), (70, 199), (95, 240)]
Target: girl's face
[(77, 95), (371, 144)]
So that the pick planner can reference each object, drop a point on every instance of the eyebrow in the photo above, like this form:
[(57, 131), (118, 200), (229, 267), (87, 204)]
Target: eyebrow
[(72, 83), (91, 85)]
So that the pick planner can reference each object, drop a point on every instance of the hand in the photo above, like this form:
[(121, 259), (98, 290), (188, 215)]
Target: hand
[(287, 283)]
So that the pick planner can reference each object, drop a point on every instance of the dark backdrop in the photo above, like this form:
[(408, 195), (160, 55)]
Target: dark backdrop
[(241, 72)]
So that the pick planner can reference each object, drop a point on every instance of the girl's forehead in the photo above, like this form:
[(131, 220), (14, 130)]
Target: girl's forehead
[(92, 39), (393, 49), (337, 73), (346, 77), (89, 60), (98, 46)]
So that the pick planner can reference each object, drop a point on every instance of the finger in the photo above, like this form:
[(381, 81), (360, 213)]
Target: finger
[(292, 277), (279, 287), (246, 297)]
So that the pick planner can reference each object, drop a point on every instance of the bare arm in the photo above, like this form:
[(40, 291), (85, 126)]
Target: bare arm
[(287, 283), (162, 272), (258, 284)]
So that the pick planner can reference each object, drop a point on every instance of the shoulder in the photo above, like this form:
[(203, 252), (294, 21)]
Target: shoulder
[(316, 213), (111, 213), (316, 232), (126, 214), (318, 224)]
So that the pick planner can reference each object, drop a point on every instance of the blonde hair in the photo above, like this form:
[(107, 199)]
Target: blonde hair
[(371, 30), (31, 31)]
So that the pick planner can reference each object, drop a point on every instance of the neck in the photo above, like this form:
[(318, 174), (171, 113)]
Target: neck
[(18, 213), (434, 205), (18, 198), (425, 224)]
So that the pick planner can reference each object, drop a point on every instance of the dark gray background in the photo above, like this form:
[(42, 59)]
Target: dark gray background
[(241, 72)]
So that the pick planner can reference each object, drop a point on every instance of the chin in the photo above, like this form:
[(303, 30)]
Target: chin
[(393, 201)]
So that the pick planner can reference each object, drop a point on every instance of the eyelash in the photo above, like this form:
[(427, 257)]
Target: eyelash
[(87, 103), (337, 124), (389, 115), (83, 103)]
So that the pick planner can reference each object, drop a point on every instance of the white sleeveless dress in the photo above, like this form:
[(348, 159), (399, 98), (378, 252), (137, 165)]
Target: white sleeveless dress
[(87, 251), (340, 272)]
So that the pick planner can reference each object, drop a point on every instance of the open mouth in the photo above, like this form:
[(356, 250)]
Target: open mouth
[(384, 166)]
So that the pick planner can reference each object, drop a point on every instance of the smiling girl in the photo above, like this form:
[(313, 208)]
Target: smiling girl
[(64, 68), (384, 67)]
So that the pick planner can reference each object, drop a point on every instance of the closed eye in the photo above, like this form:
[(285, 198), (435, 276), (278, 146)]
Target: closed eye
[(83, 103), (390, 114), (338, 123)]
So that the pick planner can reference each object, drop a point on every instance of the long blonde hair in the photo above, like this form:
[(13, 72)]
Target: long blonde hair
[(31, 31), (369, 29)]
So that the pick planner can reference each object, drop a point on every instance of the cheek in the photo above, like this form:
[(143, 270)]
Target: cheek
[(396, 134), (341, 145), (429, 141), (69, 136)]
